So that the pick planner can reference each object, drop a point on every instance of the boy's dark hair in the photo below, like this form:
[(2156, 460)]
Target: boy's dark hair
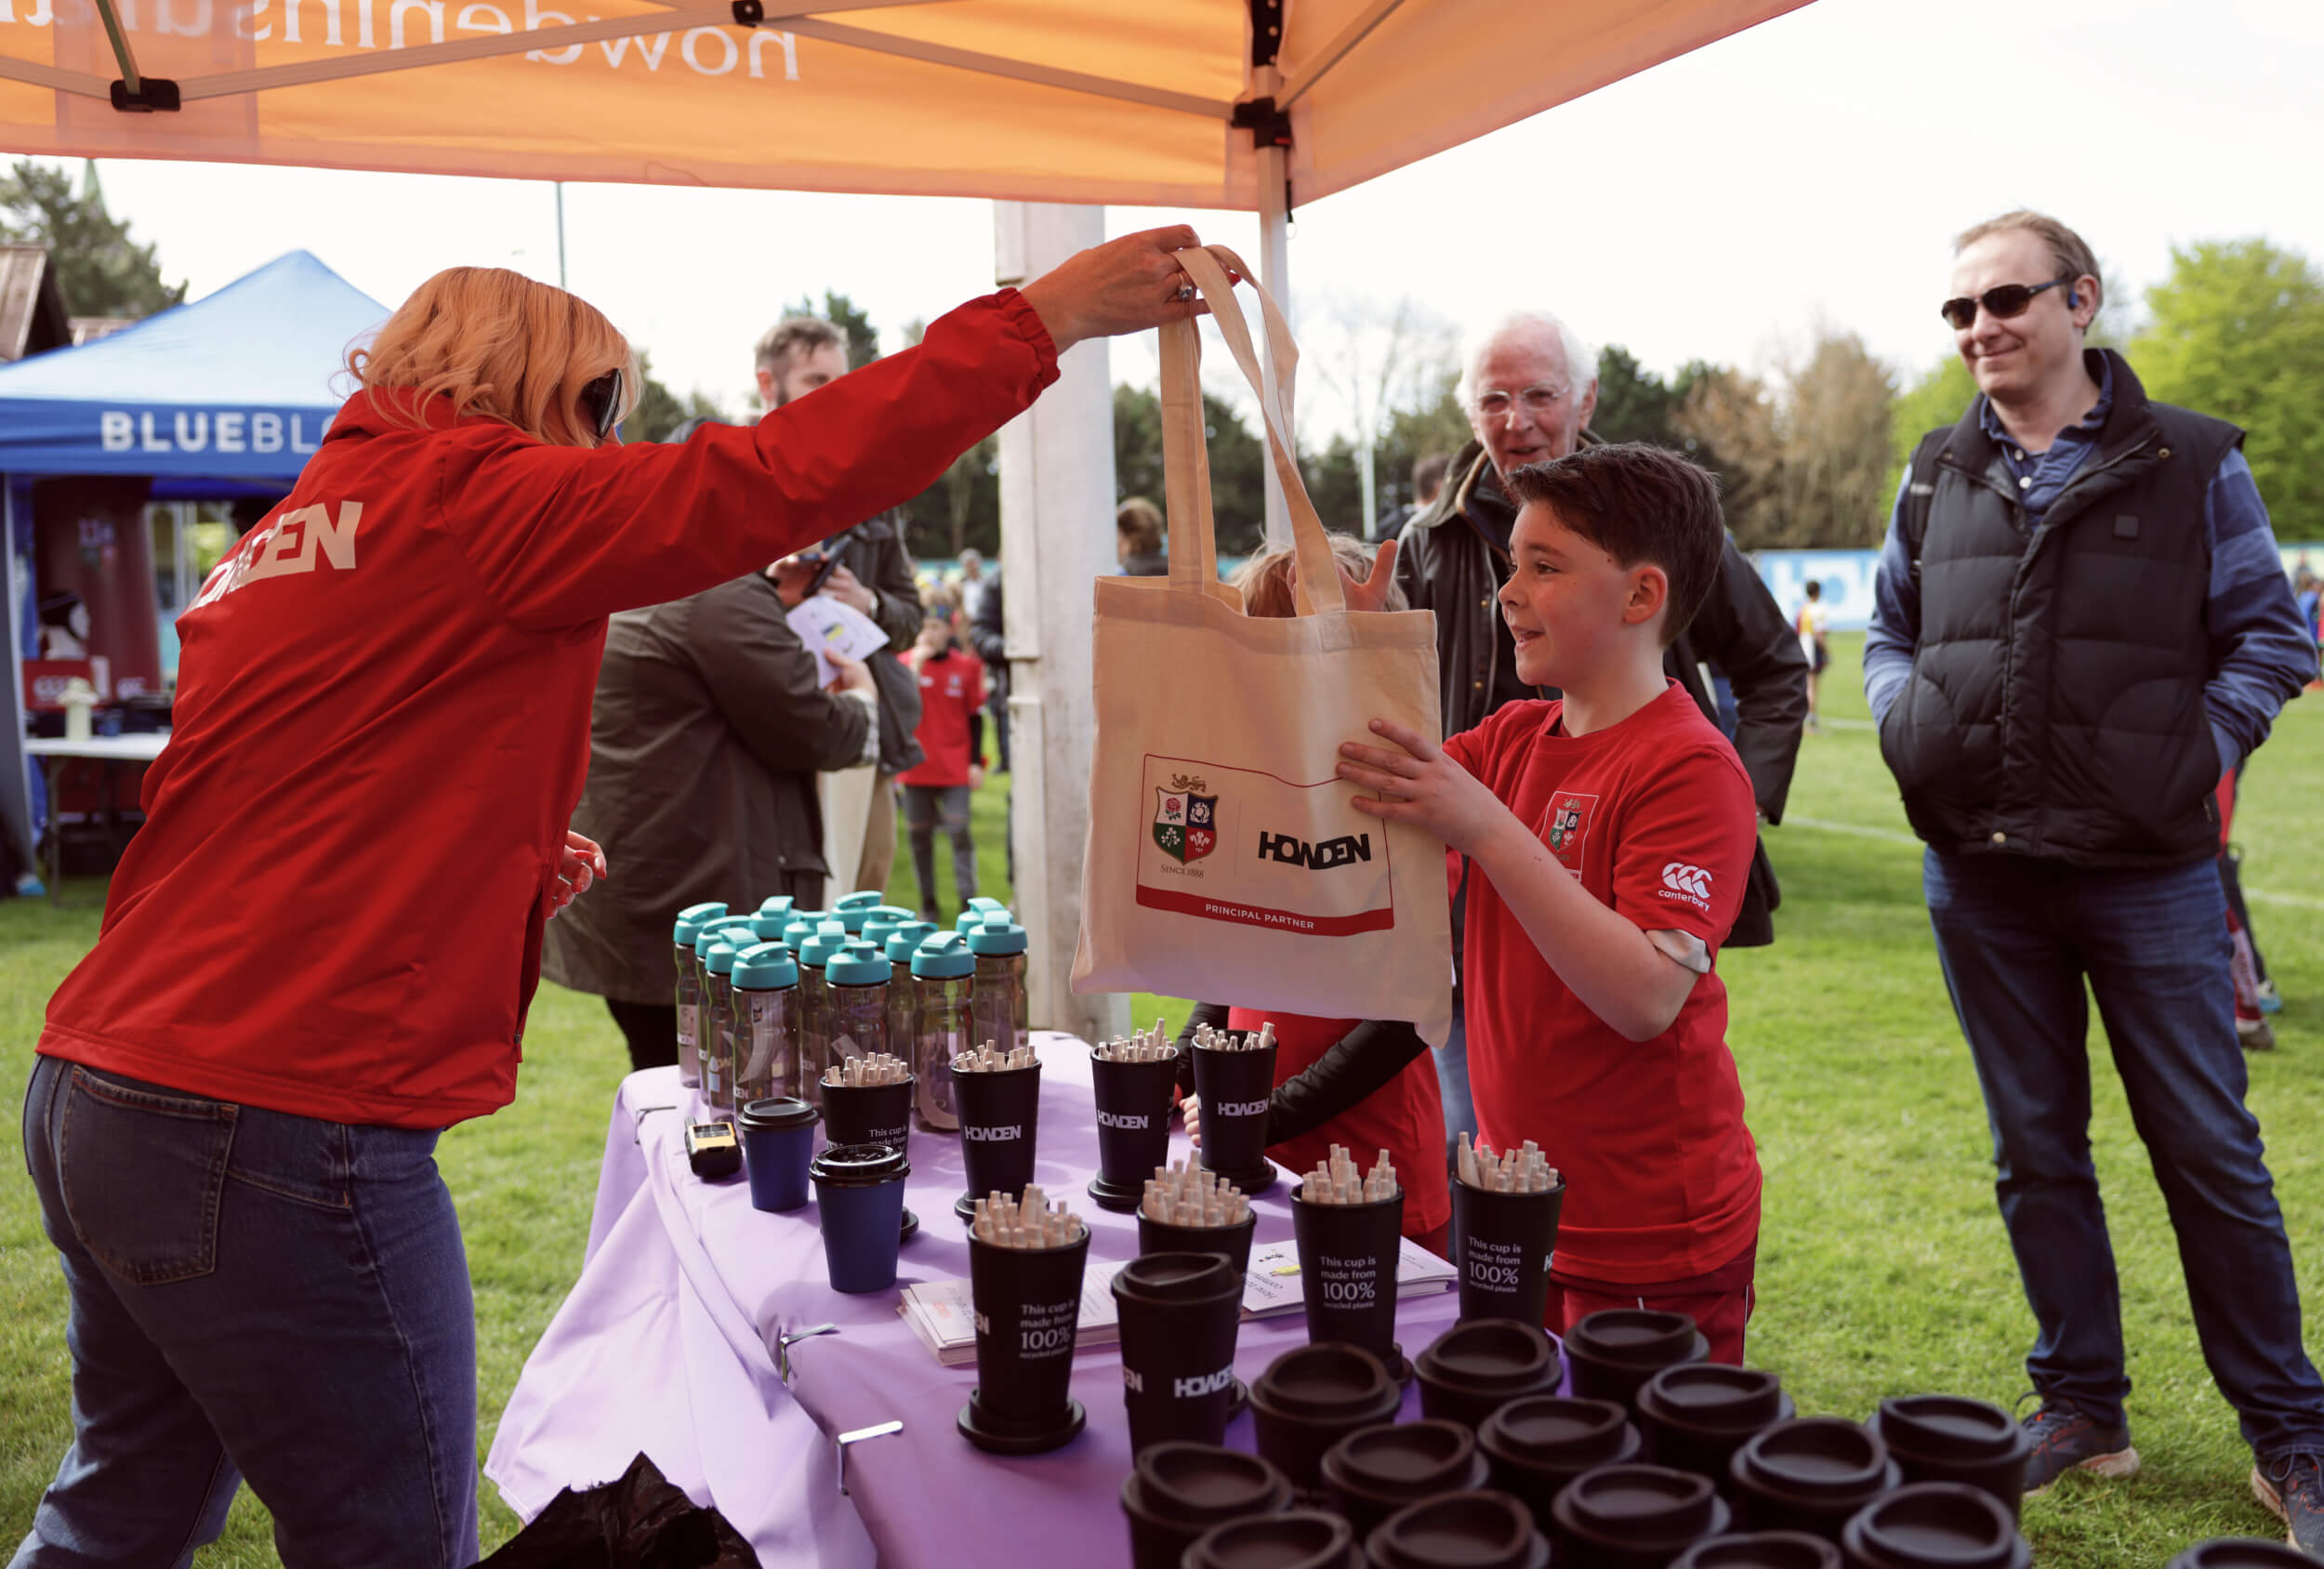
[(1638, 504), (1815, 589)]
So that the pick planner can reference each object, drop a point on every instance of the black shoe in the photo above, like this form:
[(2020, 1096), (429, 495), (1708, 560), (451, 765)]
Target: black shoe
[(2293, 1488), (2064, 1438)]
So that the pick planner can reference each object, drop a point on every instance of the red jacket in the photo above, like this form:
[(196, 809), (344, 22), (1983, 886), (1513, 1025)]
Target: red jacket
[(335, 906)]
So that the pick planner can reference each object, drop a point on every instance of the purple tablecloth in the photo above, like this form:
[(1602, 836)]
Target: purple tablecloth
[(664, 1347)]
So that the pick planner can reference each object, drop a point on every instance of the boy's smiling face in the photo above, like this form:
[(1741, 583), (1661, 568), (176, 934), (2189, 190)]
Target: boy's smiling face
[(1570, 605)]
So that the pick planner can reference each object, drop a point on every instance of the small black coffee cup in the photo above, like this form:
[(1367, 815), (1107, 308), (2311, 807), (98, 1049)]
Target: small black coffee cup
[(1760, 1549), (1234, 1087), (1178, 1491), (1634, 1517), (1951, 1438), (1178, 1313), (1001, 1115), (1695, 1416), (2241, 1552), (1935, 1525), (1536, 1445), (1810, 1475), (1134, 1101), (871, 1113), (1348, 1273), (1309, 1398), (1610, 1354), (1375, 1471), (1471, 1530), (1501, 1245), (1028, 1304), (1231, 1242), (1294, 1539), (1479, 1365)]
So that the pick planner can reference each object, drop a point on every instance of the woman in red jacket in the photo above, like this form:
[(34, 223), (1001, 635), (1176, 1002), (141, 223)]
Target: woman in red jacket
[(318, 950)]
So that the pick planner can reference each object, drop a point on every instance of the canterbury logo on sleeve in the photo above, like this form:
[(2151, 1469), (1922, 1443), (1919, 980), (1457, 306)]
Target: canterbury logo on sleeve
[(1690, 883)]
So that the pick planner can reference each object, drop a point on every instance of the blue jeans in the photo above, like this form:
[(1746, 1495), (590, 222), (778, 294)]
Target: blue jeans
[(253, 1295), (2017, 937)]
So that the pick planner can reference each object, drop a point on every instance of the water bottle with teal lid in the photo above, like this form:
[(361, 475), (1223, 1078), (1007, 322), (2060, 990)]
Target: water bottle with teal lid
[(904, 991), (688, 926), (717, 1017), (856, 979), (766, 1011), (801, 925), (855, 909), (881, 924), (979, 910), (769, 919), (944, 974), (999, 1005), (705, 1032), (814, 1005)]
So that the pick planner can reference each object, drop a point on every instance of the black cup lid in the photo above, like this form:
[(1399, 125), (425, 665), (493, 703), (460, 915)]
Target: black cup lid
[(1712, 1395), (1634, 1336), (1199, 1484), (1816, 1458), (1473, 1530), (1403, 1459), (1642, 1505), (2241, 1552), (1935, 1525), (1950, 1427), (780, 1111), (1176, 1279), (1556, 1431), (1299, 1539), (859, 1165), (1330, 1381), (1760, 1549), (1502, 1353)]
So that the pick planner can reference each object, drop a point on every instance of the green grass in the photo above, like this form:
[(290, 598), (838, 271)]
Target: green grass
[(1883, 1269)]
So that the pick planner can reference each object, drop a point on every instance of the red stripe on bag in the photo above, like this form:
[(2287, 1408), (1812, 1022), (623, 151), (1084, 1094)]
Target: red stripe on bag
[(1252, 915)]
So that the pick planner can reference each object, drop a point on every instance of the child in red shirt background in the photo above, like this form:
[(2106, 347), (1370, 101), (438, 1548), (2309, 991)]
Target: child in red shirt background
[(1610, 832), (952, 735)]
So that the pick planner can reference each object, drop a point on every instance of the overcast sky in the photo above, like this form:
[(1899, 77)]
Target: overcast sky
[(1810, 170)]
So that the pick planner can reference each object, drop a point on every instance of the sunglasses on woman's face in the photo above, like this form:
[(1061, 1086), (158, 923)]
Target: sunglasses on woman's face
[(2000, 303), (600, 403)]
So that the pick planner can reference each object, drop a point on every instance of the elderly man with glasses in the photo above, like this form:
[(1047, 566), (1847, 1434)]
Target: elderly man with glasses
[(2082, 624), (1529, 388)]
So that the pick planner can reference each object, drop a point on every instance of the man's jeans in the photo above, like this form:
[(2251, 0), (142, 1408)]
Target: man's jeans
[(254, 1294), (927, 808), (2016, 938)]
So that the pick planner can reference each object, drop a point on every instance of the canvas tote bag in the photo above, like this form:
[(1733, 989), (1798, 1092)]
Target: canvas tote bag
[(1224, 861)]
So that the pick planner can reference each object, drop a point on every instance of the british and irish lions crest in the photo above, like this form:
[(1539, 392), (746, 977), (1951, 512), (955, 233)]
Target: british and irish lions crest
[(1185, 824)]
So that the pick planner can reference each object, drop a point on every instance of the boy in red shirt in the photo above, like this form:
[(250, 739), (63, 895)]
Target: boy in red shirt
[(952, 735), (1610, 833)]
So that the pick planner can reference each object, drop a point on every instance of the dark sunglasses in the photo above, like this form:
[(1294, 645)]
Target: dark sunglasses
[(2000, 303), (601, 402)]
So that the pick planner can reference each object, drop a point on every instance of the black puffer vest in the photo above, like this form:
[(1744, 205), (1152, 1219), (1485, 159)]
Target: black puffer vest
[(2056, 702)]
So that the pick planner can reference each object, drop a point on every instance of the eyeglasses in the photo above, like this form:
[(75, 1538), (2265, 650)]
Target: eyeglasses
[(601, 402), (2000, 303), (1495, 403)]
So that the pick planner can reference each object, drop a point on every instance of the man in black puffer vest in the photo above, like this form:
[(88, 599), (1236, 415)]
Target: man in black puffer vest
[(2080, 623)]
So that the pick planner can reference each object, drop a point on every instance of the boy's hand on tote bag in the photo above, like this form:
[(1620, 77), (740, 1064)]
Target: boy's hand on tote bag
[(1417, 783)]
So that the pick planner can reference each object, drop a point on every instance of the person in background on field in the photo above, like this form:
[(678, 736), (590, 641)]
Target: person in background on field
[(2307, 592), (1813, 625), (2080, 621), (1138, 539), (1428, 480), (952, 735)]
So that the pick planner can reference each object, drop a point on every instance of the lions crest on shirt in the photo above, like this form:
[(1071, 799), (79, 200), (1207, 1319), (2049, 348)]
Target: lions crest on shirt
[(1566, 825), (1186, 824)]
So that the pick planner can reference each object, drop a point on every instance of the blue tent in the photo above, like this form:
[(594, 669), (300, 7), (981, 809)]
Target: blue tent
[(225, 397)]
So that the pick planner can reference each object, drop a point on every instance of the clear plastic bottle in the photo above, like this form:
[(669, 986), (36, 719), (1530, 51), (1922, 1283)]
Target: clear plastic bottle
[(856, 979), (903, 992), (690, 921), (943, 974), (717, 1020), (766, 1019), (705, 1034), (814, 1008), (997, 1004)]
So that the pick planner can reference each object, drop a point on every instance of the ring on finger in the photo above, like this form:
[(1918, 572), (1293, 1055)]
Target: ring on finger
[(1186, 290)]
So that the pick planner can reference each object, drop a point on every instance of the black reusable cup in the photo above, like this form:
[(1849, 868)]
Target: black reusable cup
[(1935, 1525), (1234, 1087), (871, 1113), (1178, 1491), (1231, 1242), (1348, 1273), (1027, 1302), (1375, 1471), (1612, 1353), (1634, 1517), (1000, 1114), (1178, 1313), (778, 1139), (1952, 1438), (2242, 1552), (1501, 1245), (1760, 1549), (1477, 1367), (1536, 1447), (1134, 1101), (1695, 1416), (1309, 1398), (1469, 1530), (1294, 1539), (1809, 1475)]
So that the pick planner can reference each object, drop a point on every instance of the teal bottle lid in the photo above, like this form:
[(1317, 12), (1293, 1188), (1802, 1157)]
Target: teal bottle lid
[(944, 955), (817, 951), (974, 916), (858, 964), (690, 920), (765, 967), (770, 918), (719, 957), (880, 925), (855, 909), (801, 925), (712, 929), (999, 935), (905, 942)]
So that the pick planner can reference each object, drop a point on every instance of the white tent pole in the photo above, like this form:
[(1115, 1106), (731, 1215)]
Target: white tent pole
[(1056, 503), (1275, 272)]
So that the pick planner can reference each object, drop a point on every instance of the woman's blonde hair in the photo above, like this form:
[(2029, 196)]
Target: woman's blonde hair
[(1265, 579), (497, 344)]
